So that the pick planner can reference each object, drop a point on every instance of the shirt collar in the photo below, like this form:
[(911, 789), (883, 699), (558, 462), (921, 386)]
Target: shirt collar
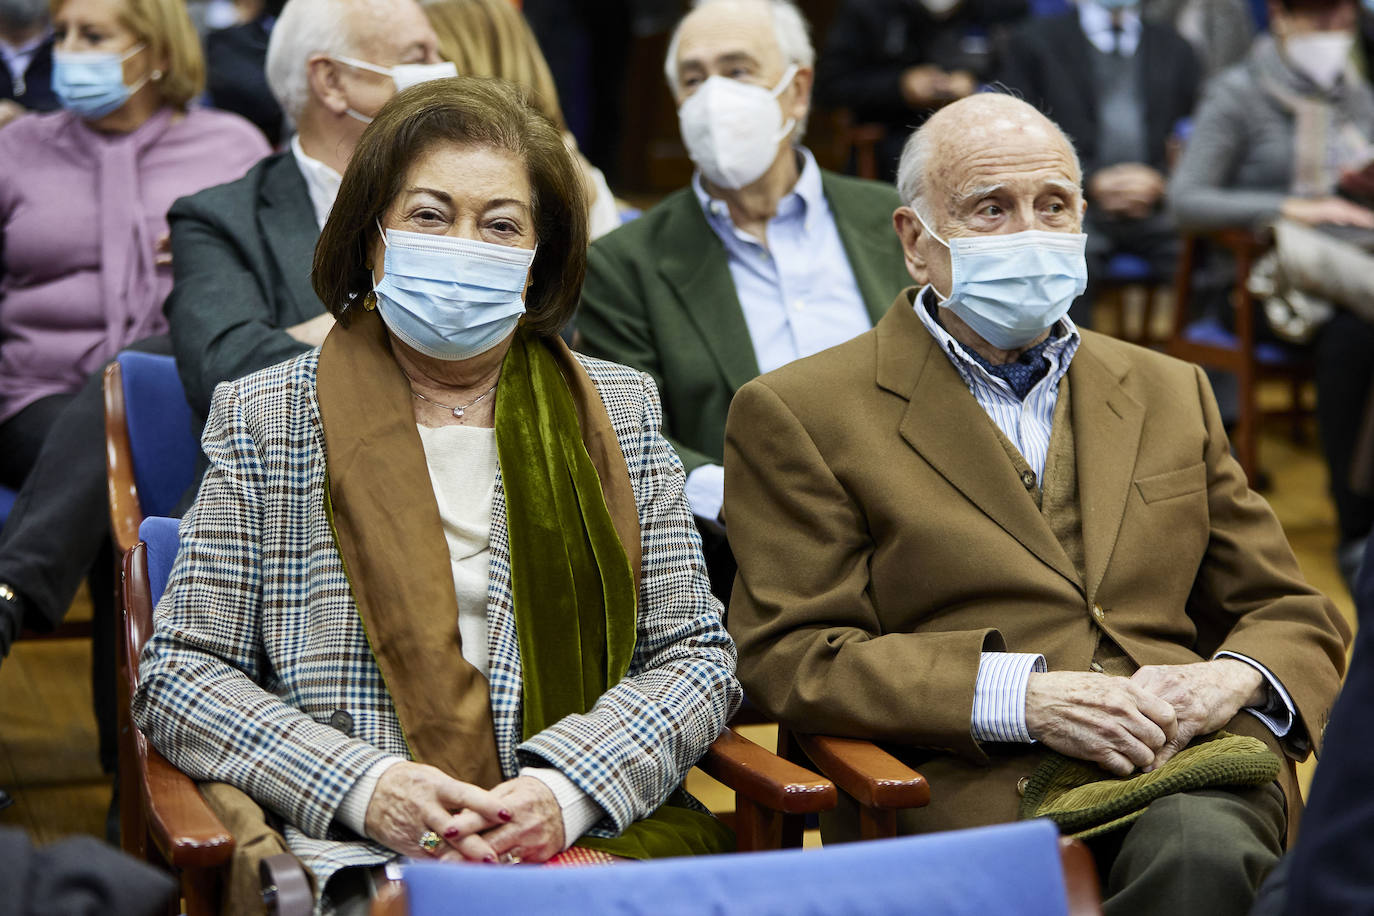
[(804, 201), (1096, 22), (1060, 347), (321, 181)]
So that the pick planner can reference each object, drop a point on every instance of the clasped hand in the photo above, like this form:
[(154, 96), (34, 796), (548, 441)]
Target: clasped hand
[(519, 820), (1122, 724)]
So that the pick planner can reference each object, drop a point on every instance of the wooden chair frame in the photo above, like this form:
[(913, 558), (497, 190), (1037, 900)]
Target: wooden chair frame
[(1245, 247), (126, 512)]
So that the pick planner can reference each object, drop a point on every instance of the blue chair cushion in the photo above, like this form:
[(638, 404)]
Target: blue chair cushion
[(161, 431), (1129, 268), (1212, 332), (6, 504), (1009, 868), (160, 534)]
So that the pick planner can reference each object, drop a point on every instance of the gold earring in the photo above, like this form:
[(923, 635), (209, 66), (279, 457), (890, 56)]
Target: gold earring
[(155, 75), (369, 302)]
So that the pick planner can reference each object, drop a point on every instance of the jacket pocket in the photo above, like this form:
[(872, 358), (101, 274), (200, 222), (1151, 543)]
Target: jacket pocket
[(1173, 483)]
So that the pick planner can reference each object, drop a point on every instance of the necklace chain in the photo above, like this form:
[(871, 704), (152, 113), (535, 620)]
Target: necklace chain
[(459, 409)]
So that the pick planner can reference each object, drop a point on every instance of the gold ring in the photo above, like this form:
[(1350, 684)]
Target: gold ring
[(510, 858), (429, 841)]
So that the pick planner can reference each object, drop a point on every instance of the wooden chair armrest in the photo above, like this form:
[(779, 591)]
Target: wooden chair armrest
[(874, 777), (286, 889), (181, 824), (1080, 878), (125, 512), (765, 778)]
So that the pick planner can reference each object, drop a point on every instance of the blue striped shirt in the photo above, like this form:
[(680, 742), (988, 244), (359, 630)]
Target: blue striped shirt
[(999, 694)]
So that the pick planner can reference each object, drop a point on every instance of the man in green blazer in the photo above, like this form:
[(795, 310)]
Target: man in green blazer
[(763, 259)]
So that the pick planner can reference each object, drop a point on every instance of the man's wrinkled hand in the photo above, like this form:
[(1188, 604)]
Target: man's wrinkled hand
[(1204, 695), (1110, 721)]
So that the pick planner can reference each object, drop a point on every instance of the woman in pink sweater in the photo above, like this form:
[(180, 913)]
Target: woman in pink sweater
[(84, 194)]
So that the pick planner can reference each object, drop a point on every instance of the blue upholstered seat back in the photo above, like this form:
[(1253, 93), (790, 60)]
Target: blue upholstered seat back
[(160, 534), (161, 435), (1009, 868)]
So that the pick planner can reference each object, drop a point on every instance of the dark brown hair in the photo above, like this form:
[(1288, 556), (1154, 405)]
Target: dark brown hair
[(466, 111)]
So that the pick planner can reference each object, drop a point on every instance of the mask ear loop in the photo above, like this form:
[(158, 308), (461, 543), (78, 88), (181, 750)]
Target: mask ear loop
[(787, 76), (931, 232)]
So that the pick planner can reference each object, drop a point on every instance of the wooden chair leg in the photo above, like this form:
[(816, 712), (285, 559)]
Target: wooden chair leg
[(756, 827), (877, 823)]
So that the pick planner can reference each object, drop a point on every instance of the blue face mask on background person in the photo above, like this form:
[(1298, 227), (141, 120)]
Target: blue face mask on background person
[(451, 298), (91, 83), (1011, 288)]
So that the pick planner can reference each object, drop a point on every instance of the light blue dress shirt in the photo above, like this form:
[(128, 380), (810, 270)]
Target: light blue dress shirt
[(1096, 22), (999, 696), (798, 293)]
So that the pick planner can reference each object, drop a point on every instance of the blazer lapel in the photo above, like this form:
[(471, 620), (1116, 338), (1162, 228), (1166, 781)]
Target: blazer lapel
[(694, 265), (946, 425), (1107, 423), (871, 245), (287, 220)]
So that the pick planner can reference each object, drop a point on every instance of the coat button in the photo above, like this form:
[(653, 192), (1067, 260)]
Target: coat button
[(1028, 478), (1098, 614), (341, 721), (1022, 784), (1095, 667)]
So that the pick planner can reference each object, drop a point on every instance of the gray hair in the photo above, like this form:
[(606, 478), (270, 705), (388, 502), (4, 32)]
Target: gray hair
[(21, 14), (790, 31), (305, 28), (911, 168)]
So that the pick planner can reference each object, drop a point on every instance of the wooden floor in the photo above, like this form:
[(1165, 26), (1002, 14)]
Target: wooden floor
[(47, 733)]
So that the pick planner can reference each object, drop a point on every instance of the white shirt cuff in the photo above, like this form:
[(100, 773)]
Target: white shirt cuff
[(1278, 712), (580, 812), (999, 696), (706, 491), (352, 811)]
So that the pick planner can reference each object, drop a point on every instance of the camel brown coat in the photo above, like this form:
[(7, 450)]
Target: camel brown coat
[(885, 540)]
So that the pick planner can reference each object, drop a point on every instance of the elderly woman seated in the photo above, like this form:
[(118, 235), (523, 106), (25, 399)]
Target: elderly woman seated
[(440, 593), (1274, 139)]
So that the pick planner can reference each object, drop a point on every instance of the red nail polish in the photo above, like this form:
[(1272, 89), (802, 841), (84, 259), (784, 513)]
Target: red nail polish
[(451, 832), (504, 814), (490, 860)]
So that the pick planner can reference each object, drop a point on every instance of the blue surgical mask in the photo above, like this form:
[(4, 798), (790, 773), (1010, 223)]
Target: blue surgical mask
[(451, 298), (91, 83), (1012, 288)]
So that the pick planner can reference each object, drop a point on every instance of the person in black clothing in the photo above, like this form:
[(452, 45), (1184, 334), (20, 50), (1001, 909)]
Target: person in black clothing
[(1118, 86), (234, 72), (25, 59), (892, 62)]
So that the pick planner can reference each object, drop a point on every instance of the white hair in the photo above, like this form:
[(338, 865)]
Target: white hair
[(305, 28), (790, 31), (911, 168)]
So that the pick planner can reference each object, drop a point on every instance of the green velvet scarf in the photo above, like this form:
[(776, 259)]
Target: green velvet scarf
[(573, 584)]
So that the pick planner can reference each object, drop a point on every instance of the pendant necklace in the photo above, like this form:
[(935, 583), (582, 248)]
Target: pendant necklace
[(457, 411)]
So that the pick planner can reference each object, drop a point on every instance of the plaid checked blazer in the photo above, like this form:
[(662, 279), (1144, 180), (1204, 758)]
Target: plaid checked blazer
[(258, 643)]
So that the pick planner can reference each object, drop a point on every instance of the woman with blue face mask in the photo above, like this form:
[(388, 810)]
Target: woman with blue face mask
[(83, 199), (1276, 142), (448, 532)]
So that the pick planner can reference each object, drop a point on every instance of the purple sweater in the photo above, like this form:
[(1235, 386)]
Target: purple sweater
[(80, 217)]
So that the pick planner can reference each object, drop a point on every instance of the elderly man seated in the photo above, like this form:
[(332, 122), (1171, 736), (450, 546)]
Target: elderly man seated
[(765, 257), (1020, 555)]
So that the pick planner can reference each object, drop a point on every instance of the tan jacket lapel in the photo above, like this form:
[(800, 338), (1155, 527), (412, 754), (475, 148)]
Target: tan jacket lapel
[(949, 429), (1107, 423)]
